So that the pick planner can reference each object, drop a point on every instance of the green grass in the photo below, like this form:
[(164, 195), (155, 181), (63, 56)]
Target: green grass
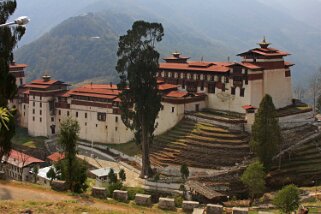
[(130, 148), (22, 138)]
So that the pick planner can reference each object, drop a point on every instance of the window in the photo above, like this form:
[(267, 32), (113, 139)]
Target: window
[(198, 77), (96, 125), (40, 112), (33, 118), (33, 96), (24, 113), (212, 77), (21, 81), (242, 92), (173, 109), (227, 80), (85, 124), (59, 120), (211, 88), (68, 113), (116, 129), (24, 106), (85, 115), (183, 84), (116, 119), (101, 116), (40, 119), (233, 91), (40, 97), (76, 113), (52, 119), (33, 111), (59, 112), (40, 104), (33, 104), (202, 86)]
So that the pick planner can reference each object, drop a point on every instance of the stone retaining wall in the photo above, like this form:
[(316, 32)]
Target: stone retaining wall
[(59, 186), (99, 192), (189, 206), (143, 199), (214, 209), (166, 203), (120, 195), (238, 210)]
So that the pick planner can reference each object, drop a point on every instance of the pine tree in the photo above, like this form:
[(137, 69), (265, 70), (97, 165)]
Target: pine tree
[(8, 89), (140, 99), (266, 134), (122, 175), (254, 178), (184, 171)]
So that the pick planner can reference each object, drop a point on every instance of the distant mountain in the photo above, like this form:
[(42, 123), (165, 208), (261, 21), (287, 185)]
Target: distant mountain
[(213, 29), (84, 48)]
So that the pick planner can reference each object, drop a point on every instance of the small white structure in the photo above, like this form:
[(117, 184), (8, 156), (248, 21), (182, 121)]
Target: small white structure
[(42, 176), (101, 175)]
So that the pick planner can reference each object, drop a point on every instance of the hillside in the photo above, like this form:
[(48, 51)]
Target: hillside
[(209, 28), (84, 48)]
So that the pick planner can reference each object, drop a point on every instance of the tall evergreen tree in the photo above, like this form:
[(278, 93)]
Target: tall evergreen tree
[(137, 67), (266, 134), (72, 170), (9, 36)]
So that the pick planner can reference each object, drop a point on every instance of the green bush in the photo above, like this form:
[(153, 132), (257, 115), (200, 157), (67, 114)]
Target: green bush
[(178, 201), (132, 192), (287, 199), (113, 186)]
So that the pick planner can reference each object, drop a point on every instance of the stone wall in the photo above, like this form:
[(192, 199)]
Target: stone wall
[(99, 192), (189, 206), (143, 199), (238, 210), (166, 203), (120, 195), (59, 186), (214, 209)]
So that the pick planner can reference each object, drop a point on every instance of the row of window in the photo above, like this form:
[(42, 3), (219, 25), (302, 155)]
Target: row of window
[(100, 115), (242, 91), (209, 77)]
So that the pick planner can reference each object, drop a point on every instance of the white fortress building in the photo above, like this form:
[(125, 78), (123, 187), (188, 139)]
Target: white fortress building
[(186, 86)]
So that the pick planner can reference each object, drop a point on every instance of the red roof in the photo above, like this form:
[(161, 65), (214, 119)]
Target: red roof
[(166, 86), (220, 67), (246, 107), (20, 159), (100, 86), (42, 82), (177, 94), (248, 65), (266, 52), (57, 156), (18, 65), (289, 64)]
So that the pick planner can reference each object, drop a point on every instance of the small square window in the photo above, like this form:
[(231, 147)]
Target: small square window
[(242, 92), (85, 115), (52, 119), (40, 112), (116, 119), (173, 109), (68, 113), (116, 129), (233, 91), (40, 119), (76, 113), (33, 118), (59, 112)]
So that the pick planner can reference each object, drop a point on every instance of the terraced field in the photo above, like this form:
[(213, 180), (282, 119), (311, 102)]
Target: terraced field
[(198, 144), (301, 166)]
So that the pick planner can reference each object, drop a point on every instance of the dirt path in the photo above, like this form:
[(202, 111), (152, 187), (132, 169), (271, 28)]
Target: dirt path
[(23, 192)]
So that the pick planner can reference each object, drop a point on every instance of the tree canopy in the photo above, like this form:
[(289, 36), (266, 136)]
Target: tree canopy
[(266, 134), (8, 89), (72, 170), (254, 178), (140, 99), (287, 199), (184, 171)]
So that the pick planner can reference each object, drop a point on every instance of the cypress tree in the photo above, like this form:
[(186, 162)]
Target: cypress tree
[(266, 134), (137, 67), (8, 89)]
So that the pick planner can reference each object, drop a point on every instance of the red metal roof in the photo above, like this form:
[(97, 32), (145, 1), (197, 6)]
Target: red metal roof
[(266, 52), (57, 156), (177, 94), (42, 82), (248, 65), (20, 159), (18, 65), (220, 67), (104, 96), (246, 107), (166, 86)]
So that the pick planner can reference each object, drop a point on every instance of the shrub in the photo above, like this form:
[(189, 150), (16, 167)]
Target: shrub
[(132, 192), (287, 199), (178, 201), (113, 186)]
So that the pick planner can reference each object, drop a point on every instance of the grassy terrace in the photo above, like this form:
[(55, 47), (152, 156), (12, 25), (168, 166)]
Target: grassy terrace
[(22, 138), (290, 110), (199, 144), (130, 148)]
